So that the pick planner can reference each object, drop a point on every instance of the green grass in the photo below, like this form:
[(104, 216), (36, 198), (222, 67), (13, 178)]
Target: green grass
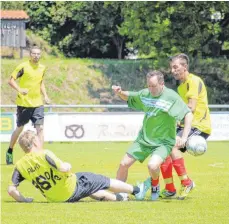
[(208, 203), (68, 81)]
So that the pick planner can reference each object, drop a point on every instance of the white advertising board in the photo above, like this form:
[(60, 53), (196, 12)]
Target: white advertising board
[(102, 127)]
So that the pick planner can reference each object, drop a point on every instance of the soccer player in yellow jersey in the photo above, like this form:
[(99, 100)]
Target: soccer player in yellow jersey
[(29, 101), (55, 180), (193, 92)]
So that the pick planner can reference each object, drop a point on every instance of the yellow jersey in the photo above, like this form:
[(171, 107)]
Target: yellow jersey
[(194, 88), (30, 77), (42, 170)]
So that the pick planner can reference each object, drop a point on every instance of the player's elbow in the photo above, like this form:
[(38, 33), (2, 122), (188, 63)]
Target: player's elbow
[(65, 167), (193, 109), (11, 190), (189, 116), (10, 81)]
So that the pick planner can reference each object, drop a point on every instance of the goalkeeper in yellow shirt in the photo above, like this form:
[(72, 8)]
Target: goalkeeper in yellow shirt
[(55, 180)]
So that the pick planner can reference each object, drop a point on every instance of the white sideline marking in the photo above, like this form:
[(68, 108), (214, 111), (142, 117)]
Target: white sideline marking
[(217, 165)]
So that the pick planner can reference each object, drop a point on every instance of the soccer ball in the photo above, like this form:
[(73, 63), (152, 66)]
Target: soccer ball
[(196, 145)]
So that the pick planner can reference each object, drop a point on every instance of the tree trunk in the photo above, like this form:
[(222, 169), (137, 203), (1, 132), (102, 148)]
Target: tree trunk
[(118, 41)]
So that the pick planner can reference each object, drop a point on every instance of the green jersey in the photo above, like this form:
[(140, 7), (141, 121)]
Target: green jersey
[(42, 170), (161, 116)]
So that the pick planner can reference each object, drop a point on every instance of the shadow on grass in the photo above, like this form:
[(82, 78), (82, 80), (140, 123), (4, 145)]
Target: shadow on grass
[(167, 201)]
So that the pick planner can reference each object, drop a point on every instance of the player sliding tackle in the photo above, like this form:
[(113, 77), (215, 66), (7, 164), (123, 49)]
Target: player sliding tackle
[(55, 180), (163, 107)]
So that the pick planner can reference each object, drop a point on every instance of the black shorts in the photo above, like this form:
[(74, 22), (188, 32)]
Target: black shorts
[(35, 114), (88, 184), (194, 131)]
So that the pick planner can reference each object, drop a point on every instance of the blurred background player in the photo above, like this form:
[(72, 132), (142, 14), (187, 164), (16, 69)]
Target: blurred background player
[(163, 107), (29, 100), (193, 92), (55, 180)]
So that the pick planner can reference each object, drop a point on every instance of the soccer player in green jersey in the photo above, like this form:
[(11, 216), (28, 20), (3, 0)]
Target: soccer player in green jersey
[(55, 180), (163, 107), (29, 101), (193, 92)]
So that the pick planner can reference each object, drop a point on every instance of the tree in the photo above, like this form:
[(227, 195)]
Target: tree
[(82, 29), (164, 28), (7, 5)]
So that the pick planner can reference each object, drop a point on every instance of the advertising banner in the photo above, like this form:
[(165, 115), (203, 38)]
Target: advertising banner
[(100, 126)]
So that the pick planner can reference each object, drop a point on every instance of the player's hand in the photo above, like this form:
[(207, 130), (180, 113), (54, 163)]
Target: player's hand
[(29, 200), (47, 100), (180, 142), (23, 91), (117, 89)]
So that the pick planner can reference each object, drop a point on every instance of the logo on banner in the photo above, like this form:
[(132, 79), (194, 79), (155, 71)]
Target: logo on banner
[(6, 123), (74, 131)]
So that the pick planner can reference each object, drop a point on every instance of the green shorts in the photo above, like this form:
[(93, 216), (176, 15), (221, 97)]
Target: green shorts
[(140, 152)]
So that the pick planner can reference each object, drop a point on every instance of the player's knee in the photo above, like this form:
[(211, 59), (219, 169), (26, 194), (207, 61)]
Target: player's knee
[(153, 167), (39, 128), (124, 164)]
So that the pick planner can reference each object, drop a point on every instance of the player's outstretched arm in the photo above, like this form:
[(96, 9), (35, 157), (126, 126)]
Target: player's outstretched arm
[(122, 94), (17, 196)]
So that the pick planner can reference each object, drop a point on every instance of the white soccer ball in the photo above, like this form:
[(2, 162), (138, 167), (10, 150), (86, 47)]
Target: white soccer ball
[(196, 145)]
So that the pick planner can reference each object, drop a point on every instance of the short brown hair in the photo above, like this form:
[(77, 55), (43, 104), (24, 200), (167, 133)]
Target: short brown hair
[(183, 57), (26, 140), (160, 75)]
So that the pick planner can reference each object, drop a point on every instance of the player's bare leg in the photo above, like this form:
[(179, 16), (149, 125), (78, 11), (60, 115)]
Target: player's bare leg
[(15, 136), (117, 186), (154, 170), (40, 134), (13, 140), (125, 164), (103, 195)]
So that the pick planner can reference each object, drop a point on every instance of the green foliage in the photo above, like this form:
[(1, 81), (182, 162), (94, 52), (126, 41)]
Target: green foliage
[(105, 29), (210, 173), (215, 74), (75, 81), (47, 50), (82, 29), (12, 5), (169, 27)]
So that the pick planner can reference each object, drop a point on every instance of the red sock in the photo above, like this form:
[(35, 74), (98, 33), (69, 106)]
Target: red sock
[(155, 182), (179, 166), (166, 170)]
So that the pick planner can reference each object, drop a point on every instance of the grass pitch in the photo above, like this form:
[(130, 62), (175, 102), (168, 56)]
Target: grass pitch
[(208, 203)]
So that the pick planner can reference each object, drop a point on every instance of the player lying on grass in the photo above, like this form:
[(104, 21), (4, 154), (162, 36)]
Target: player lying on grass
[(55, 180)]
